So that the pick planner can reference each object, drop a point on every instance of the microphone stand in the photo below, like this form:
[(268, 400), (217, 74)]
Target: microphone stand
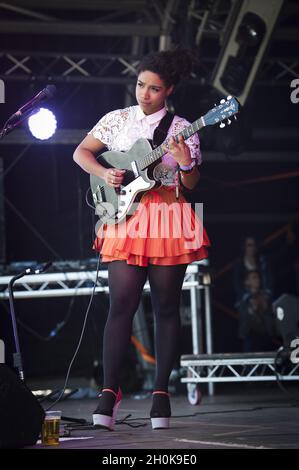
[(13, 122), (17, 357), (27, 109)]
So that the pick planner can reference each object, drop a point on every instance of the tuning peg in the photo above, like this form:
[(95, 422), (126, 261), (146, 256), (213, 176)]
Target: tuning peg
[(229, 97), (222, 101), (222, 125), (229, 122), (235, 117)]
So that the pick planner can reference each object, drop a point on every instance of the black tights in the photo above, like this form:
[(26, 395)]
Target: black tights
[(126, 284)]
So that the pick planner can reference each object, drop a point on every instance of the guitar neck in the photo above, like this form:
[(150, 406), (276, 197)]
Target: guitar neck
[(158, 152)]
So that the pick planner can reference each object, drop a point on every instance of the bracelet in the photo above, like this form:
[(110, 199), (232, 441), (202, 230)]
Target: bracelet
[(187, 168), (187, 172)]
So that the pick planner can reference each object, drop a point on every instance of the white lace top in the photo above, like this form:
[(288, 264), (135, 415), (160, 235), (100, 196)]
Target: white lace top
[(120, 129)]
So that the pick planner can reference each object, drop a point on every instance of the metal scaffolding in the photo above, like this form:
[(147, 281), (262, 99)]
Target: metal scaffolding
[(132, 27), (61, 284), (235, 367)]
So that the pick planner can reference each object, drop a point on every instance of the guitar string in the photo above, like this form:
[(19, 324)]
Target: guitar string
[(159, 152)]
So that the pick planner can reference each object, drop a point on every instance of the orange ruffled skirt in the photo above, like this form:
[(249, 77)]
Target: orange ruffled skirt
[(163, 230)]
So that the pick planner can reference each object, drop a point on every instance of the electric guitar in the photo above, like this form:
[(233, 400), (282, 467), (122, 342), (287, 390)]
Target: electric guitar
[(113, 205)]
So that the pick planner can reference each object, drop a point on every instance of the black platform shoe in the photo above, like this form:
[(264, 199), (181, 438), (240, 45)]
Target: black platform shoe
[(105, 413), (160, 411)]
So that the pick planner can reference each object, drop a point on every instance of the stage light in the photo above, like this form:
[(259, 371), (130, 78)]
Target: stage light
[(286, 310), (251, 30), (42, 124)]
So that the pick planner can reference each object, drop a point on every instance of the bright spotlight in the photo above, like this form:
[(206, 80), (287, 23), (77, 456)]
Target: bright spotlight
[(42, 124)]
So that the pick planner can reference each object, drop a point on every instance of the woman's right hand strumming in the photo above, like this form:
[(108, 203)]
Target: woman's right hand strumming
[(85, 156), (114, 177)]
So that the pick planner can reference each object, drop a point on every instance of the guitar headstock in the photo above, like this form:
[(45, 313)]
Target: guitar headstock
[(224, 110)]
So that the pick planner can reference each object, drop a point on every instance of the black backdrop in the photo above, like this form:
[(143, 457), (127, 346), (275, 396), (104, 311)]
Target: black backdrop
[(48, 190)]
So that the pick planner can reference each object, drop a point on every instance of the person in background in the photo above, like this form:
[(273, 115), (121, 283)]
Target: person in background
[(251, 260), (256, 321)]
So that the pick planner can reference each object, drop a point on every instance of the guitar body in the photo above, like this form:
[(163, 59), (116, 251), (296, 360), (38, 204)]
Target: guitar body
[(113, 204)]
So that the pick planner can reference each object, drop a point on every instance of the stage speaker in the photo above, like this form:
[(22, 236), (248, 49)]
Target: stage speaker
[(21, 415), (286, 310), (244, 44)]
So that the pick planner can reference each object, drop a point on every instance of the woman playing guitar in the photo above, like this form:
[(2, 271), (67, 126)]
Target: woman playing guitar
[(138, 251)]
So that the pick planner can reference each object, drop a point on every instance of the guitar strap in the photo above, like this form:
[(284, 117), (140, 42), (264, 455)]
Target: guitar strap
[(160, 134), (161, 131)]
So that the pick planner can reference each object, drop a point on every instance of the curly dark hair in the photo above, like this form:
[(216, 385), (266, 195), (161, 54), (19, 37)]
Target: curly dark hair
[(172, 66)]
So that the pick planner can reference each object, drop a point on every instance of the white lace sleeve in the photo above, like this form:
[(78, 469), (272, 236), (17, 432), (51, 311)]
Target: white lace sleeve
[(109, 126), (193, 142)]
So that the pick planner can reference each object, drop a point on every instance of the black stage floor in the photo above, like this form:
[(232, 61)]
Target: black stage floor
[(240, 416)]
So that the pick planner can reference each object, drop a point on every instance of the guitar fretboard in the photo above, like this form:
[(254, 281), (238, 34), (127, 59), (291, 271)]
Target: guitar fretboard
[(158, 152)]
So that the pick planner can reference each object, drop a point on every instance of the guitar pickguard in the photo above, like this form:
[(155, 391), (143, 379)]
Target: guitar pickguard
[(132, 189)]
